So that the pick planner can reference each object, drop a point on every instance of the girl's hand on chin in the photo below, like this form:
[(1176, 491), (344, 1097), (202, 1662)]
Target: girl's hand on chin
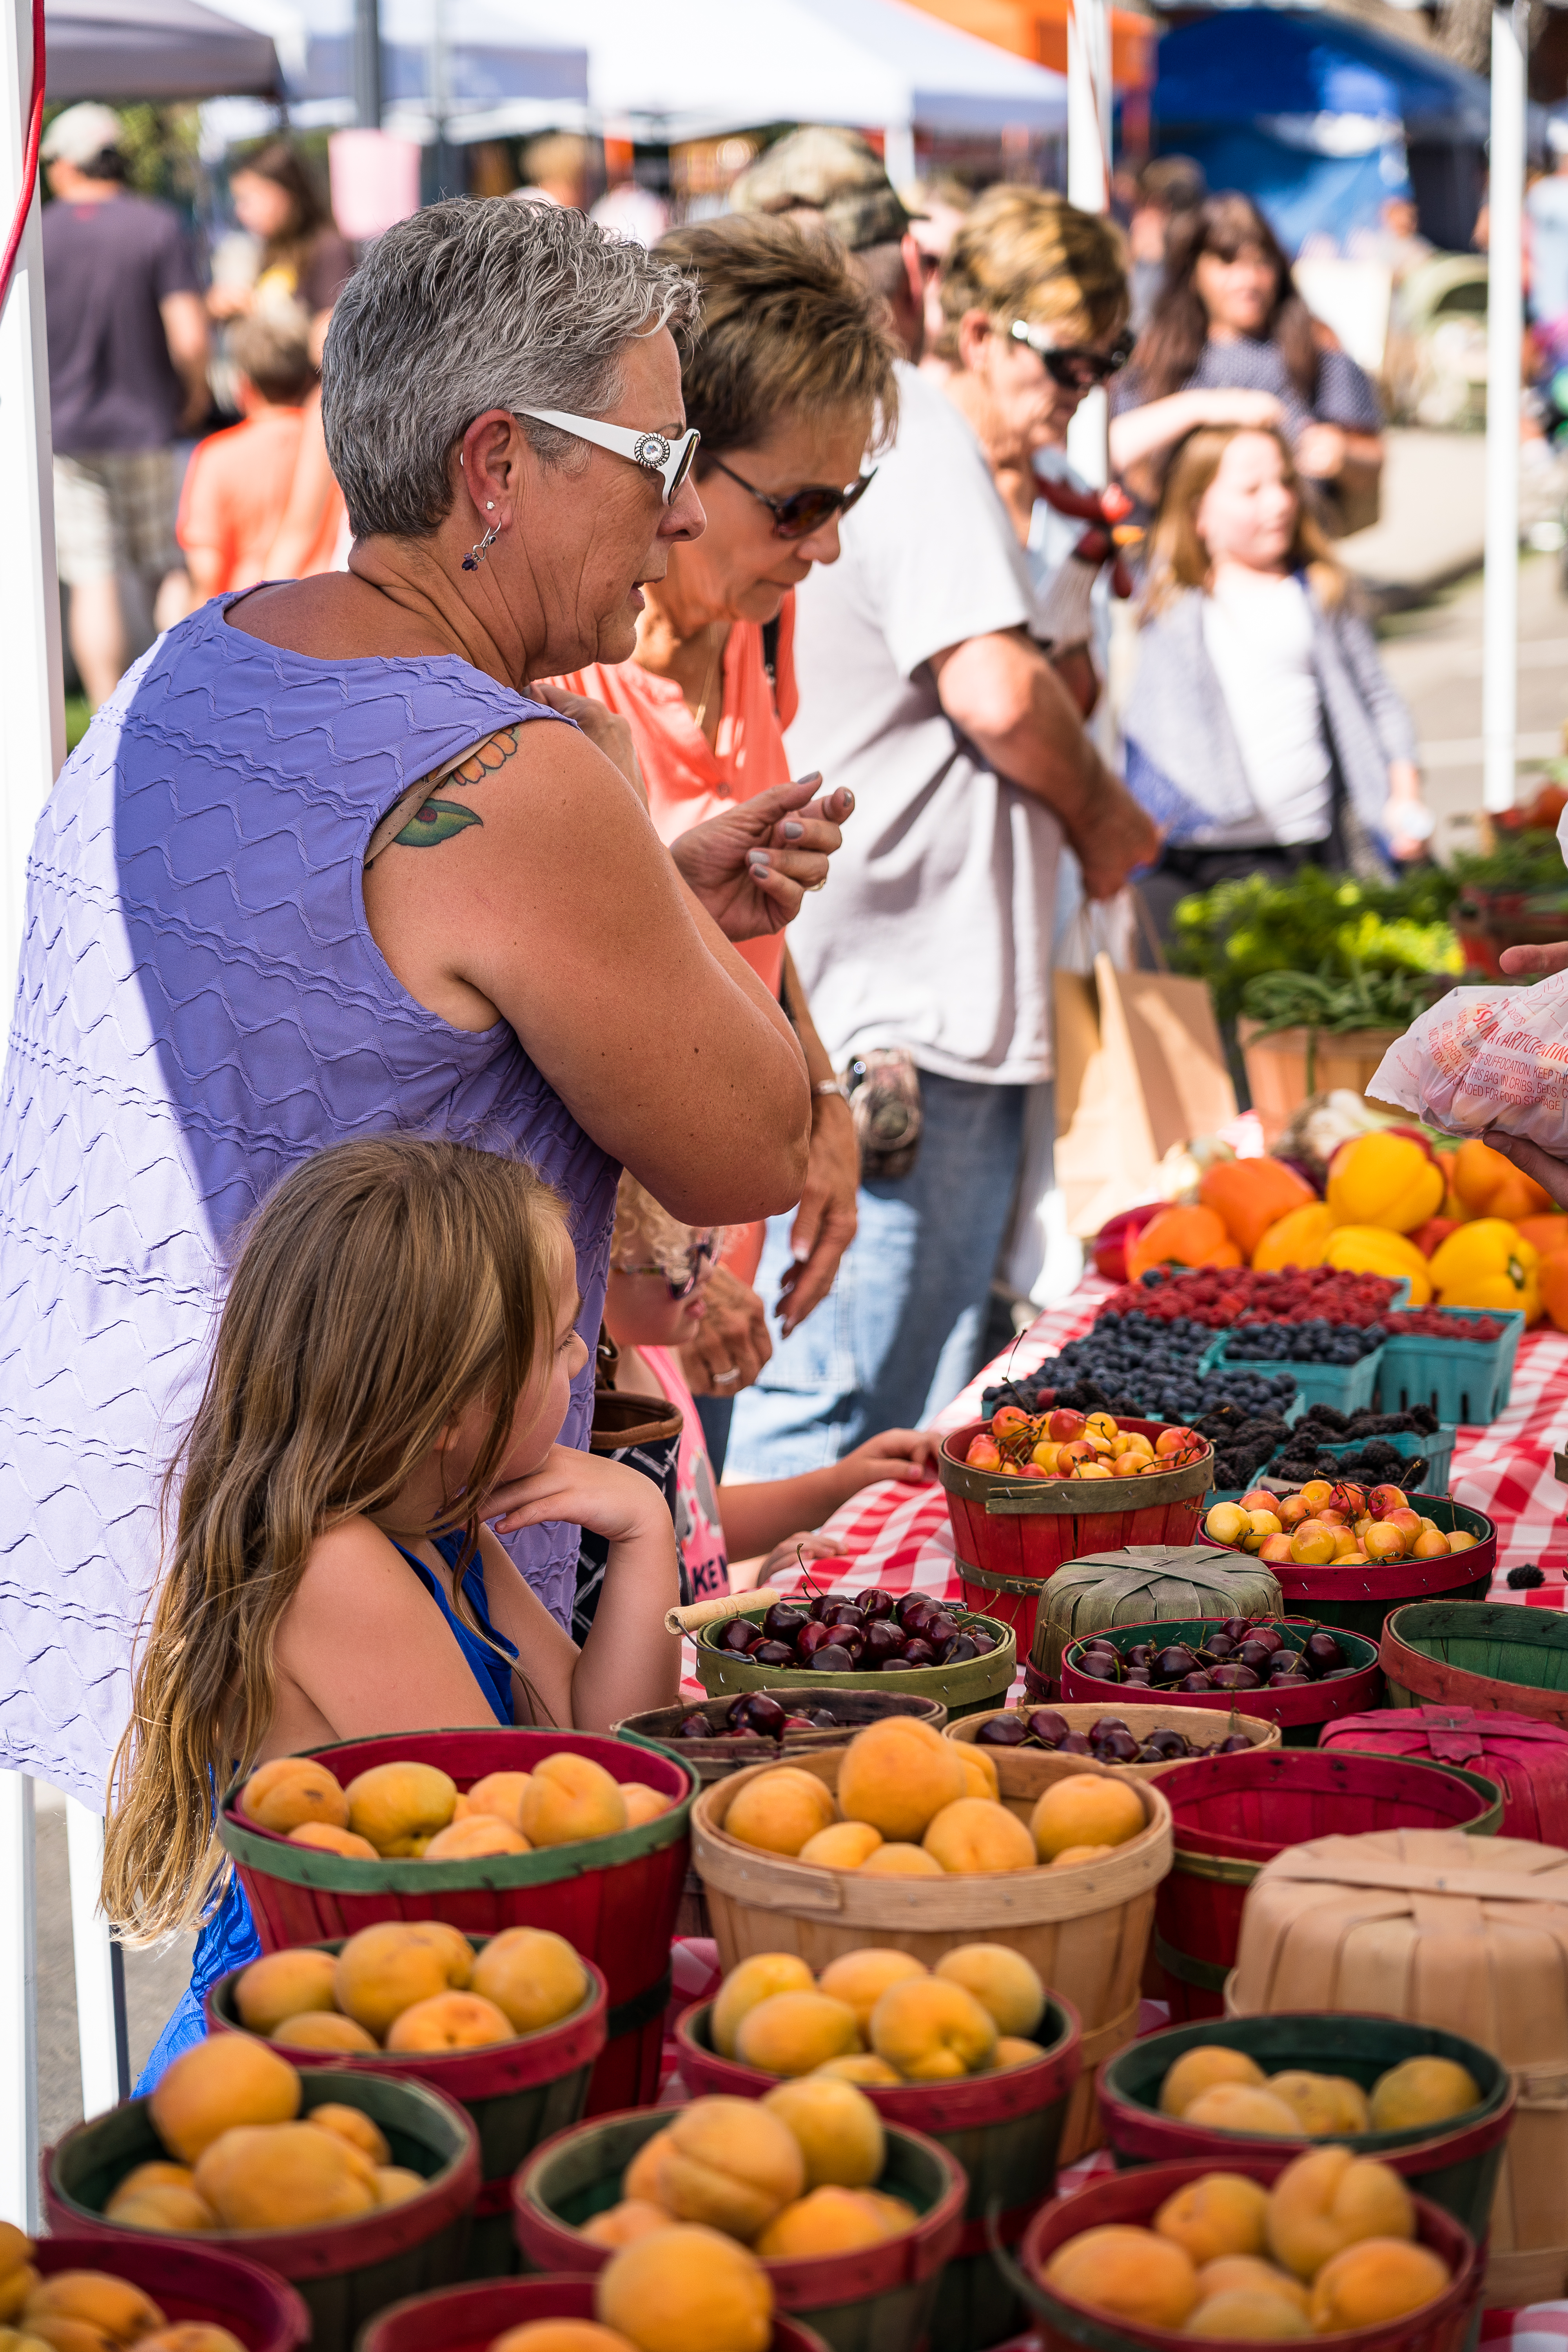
[(604, 1496)]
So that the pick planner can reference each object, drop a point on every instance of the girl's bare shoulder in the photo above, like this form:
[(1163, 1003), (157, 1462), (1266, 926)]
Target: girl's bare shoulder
[(355, 1567)]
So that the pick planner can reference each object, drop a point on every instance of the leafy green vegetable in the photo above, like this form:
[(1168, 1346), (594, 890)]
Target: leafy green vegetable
[(1326, 932), (1526, 861)]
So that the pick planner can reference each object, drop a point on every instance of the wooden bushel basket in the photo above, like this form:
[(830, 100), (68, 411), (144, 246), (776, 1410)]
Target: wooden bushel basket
[(1528, 1759), (1143, 1584), (1085, 1929), (1480, 1653), (469, 2318), (1464, 1934), (1139, 1721), (190, 2283)]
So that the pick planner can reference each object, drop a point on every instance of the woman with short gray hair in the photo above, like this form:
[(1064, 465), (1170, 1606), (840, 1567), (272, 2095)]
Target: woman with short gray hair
[(261, 919)]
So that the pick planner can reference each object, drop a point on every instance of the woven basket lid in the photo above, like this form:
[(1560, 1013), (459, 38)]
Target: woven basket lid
[(1428, 1925), (1145, 1581)]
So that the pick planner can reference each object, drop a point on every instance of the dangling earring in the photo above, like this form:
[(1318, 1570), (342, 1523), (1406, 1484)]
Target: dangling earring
[(481, 547)]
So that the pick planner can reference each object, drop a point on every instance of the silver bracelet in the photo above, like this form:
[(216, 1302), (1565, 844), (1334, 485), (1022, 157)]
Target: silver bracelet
[(831, 1087)]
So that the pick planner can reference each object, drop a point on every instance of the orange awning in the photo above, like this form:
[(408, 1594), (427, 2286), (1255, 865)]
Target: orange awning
[(1037, 29)]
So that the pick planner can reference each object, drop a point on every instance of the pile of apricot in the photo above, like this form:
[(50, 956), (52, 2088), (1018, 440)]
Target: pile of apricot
[(411, 1985), (87, 2311), (1331, 2246), (679, 2287), (910, 1804), (407, 1810), (1224, 2090), (1337, 1525), (1064, 1444), (882, 2017)]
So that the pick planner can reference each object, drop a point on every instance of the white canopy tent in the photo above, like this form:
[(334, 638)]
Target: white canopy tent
[(125, 50)]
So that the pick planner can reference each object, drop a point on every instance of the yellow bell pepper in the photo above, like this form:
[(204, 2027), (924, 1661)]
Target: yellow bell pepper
[(1298, 1239), (1490, 1265), (1385, 1180), (1373, 1249)]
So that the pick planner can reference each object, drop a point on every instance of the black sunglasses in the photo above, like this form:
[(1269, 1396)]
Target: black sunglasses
[(702, 1253), (798, 516), (1068, 365)]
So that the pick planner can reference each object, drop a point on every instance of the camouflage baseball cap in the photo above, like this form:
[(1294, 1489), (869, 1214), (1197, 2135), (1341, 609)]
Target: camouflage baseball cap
[(832, 173)]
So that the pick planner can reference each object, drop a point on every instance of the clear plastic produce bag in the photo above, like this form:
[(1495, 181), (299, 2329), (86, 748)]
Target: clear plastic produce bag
[(1486, 1058)]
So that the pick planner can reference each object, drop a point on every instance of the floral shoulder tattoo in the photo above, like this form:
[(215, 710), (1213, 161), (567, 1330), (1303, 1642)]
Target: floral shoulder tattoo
[(424, 818)]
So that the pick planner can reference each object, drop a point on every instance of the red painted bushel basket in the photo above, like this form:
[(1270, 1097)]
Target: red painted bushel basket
[(1527, 1759), (1360, 1596), (189, 2284), (517, 2094), (1011, 1535), (1004, 2128), (1234, 1813), (469, 2318), (1135, 2197), (1299, 1713), (614, 1898)]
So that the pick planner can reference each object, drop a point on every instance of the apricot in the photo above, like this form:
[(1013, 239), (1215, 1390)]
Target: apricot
[(533, 1977), (1013, 2049), (827, 2221), (780, 1809), (753, 1980), (901, 1862), (729, 2163), (449, 2021), (1001, 1979), (323, 2029), (686, 2290), (561, 2335), (1328, 2200), (141, 2176), (1087, 1809), (286, 2176), (290, 1790), (400, 1806), (190, 2335), (897, 1775), (639, 2182), (634, 2217), (1222, 2213), (975, 1834), (1231, 2272), (353, 2125), (12, 2340), (469, 1839), (839, 2131), (980, 1768), (570, 1798), (322, 1837), (1199, 2069), (896, 2213), (1237, 2107), (1252, 2314), (175, 2212), (642, 1804), (862, 1977), (385, 1970), (282, 1985), (1326, 2104), (1422, 2091), (843, 1845), (932, 2030), (792, 2033), (17, 2249), (119, 2311), (500, 1794), (860, 2066), (1127, 2273), (395, 2184), (1071, 1855), (1375, 2281), (225, 2081)]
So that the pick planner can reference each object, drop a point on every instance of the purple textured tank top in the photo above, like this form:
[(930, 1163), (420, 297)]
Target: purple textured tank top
[(201, 1006)]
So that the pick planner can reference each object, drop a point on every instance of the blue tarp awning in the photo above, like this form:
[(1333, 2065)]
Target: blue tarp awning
[(1323, 83)]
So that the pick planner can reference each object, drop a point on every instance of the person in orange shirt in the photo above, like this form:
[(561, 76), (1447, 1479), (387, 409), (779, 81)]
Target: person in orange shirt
[(239, 482), (790, 382)]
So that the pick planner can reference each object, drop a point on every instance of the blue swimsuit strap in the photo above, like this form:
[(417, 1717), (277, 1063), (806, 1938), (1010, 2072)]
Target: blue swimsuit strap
[(490, 1671)]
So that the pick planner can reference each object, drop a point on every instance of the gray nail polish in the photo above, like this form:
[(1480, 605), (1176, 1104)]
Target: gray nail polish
[(758, 862), (792, 831)]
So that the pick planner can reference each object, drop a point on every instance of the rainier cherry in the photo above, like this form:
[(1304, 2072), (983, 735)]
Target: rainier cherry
[(1384, 1500)]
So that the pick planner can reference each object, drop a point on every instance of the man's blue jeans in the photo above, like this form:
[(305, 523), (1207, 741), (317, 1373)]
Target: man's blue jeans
[(898, 1335)]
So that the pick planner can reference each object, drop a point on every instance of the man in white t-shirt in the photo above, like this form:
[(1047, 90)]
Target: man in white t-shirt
[(921, 690)]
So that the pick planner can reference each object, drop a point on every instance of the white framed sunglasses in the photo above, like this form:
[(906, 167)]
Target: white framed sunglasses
[(671, 460)]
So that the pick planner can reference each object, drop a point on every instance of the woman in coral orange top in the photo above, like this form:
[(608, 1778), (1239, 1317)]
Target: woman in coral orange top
[(790, 382)]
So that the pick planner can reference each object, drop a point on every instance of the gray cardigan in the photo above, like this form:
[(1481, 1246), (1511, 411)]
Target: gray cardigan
[(1184, 763)]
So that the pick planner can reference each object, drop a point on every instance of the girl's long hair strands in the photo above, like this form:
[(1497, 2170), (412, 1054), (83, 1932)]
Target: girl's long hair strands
[(1171, 345)]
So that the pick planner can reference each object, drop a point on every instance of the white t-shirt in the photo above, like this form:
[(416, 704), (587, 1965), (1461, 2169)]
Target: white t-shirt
[(934, 931), (1258, 633)]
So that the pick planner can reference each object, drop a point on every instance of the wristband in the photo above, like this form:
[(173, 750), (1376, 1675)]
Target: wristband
[(831, 1087)]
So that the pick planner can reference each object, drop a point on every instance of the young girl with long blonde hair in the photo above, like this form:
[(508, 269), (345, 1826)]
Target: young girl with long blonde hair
[(1262, 731), (390, 1377)]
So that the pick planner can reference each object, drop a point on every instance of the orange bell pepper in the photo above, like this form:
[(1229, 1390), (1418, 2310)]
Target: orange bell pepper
[(1488, 1264), (1373, 1249), (1491, 1186), (1298, 1239), (1251, 1195), (1554, 1280), (1181, 1237), (1547, 1234), (1385, 1180)]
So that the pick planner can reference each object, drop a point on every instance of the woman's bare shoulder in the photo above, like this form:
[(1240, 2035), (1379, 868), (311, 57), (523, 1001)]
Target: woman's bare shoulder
[(335, 616)]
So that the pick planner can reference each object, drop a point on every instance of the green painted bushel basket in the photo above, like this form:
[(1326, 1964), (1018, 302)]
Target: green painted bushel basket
[(963, 1688), (345, 2271), (1489, 1654), (1455, 2164)]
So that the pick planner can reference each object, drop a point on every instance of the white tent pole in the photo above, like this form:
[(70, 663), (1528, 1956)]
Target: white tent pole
[(1505, 294), (18, 2007), (898, 153), (98, 2042), (1088, 187)]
